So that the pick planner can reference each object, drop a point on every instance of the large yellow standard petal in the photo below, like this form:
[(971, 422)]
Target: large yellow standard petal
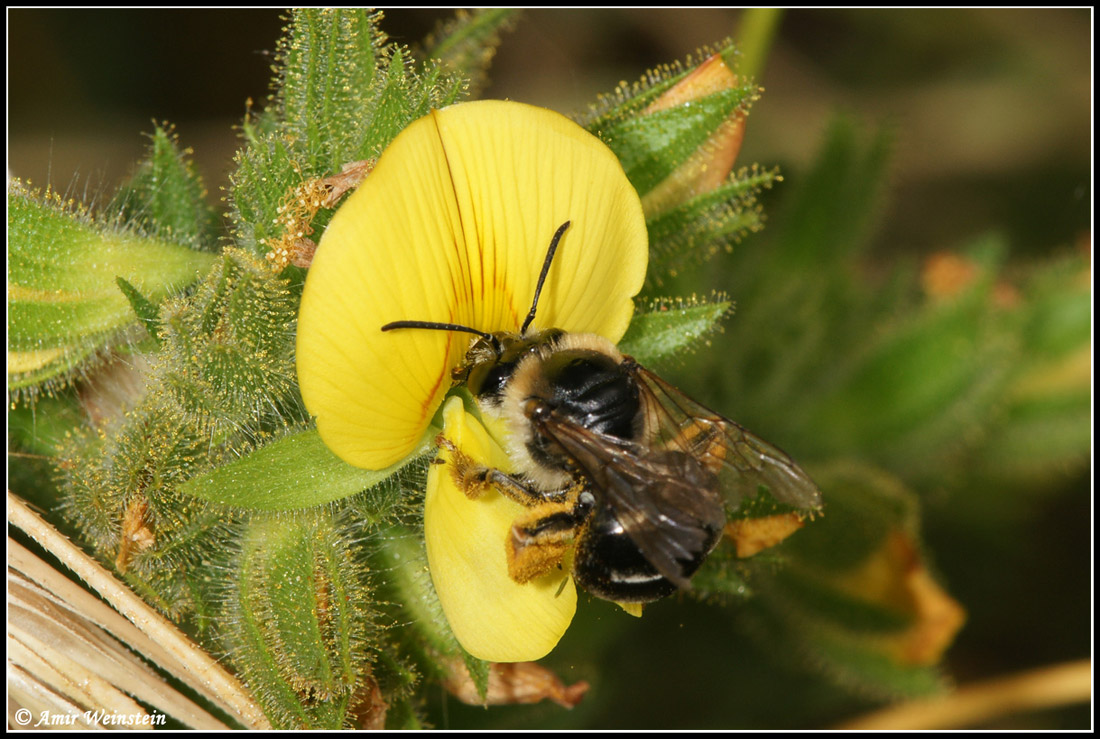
[(452, 225), (493, 617)]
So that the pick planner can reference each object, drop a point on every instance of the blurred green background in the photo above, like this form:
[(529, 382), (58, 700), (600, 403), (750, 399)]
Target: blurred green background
[(992, 107), (991, 118)]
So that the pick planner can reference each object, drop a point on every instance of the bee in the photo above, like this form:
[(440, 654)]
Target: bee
[(610, 459)]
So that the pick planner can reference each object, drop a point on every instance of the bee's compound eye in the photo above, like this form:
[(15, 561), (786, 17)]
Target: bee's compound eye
[(497, 378), (489, 379)]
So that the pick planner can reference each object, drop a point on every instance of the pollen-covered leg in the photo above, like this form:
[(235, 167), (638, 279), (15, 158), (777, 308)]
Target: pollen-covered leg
[(470, 477), (539, 539), (474, 479)]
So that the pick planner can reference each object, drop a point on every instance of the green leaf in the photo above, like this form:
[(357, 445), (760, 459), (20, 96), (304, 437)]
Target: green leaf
[(297, 471), (867, 672), (665, 328), (40, 428), (906, 394), (327, 67), (839, 609), (64, 304), (1058, 302), (468, 42), (862, 506), (627, 102), (165, 197), (703, 226), (1044, 425), (227, 352), (722, 577), (805, 317), (298, 619), (143, 307), (479, 673), (679, 159), (121, 492), (651, 146), (832, 212)]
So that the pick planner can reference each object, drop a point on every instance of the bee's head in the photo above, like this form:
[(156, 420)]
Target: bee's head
[(493, 358)]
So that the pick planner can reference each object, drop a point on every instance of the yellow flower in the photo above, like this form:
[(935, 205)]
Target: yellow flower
[(452, 226)]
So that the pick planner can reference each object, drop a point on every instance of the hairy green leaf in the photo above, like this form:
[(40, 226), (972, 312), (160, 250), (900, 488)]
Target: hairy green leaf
[(628, 101), (297, 620), (165, 197), (652, 145), (64, 303), (665, 328), (294, 472), (468, 42)]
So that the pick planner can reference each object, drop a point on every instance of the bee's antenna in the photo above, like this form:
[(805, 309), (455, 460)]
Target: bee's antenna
[(484, 334), (445, 327), (542, 275)]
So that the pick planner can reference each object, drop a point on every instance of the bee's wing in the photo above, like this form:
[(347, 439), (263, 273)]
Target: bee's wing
[(667, 502), (742, 461)]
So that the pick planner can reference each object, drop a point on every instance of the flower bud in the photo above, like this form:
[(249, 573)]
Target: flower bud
[(710, 164)]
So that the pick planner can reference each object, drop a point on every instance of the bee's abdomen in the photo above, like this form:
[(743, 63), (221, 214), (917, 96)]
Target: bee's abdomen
[(593, 391), (609, 564)]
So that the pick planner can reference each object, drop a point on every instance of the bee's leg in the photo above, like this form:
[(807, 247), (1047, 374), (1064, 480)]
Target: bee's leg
[(473, 479), (540, 538)]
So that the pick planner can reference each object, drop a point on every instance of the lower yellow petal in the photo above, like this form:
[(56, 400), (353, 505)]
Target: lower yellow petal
[(493, 617)]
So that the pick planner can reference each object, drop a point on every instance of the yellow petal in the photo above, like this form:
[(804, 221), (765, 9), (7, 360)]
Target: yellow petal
[(452, 226), (528, 170), (493, 617)]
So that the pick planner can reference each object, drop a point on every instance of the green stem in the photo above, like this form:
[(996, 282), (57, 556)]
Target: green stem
[(758, 28)]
